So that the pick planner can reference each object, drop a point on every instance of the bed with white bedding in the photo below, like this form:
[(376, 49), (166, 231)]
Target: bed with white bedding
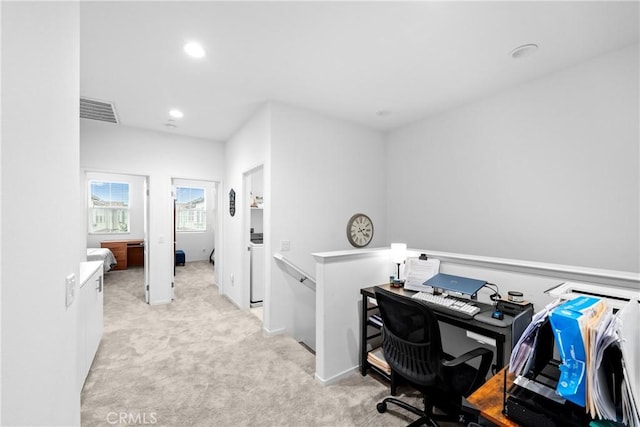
[(102, 254)]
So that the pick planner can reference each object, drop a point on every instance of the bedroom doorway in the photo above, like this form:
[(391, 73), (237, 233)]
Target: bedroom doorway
[(195, 222), (117, 212)]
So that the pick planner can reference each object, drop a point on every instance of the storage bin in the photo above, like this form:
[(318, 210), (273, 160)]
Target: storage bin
[(180, 257)]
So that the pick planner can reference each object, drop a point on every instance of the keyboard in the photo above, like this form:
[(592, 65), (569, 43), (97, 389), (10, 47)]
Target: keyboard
[(449, 305)]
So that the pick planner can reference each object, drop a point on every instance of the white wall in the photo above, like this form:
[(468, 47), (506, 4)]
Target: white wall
[(197, 245), (545, 172), (318, 172), (161, 156), (1, 138), (40, 154), (341, 275), (245, 151), (323, 171), (136, 207)]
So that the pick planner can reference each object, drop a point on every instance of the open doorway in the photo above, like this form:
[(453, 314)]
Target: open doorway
[(117, 207), (254, 237), (195, 218)]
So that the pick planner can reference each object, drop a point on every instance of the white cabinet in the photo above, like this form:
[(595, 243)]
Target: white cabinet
[(90, 316)]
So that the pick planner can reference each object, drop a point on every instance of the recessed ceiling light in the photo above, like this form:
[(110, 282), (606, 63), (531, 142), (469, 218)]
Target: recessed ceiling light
[(176, 114), (194, 50), (524, 50)]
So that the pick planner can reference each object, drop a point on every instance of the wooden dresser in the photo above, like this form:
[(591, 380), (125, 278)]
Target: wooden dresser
[(128, 253)]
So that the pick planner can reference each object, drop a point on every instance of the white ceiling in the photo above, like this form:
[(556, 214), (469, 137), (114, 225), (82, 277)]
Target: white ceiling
[(347, 60)]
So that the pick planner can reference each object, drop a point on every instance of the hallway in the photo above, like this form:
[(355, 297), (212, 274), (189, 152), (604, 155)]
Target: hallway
[(200, 361)]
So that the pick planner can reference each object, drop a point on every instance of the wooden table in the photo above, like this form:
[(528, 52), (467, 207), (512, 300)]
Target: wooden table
[(489, 399)]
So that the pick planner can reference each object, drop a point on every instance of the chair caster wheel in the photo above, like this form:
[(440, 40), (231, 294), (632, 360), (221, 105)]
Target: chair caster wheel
[(382, 407)]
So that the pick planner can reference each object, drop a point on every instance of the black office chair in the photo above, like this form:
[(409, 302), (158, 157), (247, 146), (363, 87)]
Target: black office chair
[(413, 349)]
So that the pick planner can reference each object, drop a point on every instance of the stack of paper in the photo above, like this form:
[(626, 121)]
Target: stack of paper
[(610, 340), (376, 319), (521, 355), (615, 336), (630, 345), (571, 323), (418, 271), (602, 335), (376, 358)]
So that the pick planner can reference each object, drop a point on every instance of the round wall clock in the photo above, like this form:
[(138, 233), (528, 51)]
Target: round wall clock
[(360, 230)]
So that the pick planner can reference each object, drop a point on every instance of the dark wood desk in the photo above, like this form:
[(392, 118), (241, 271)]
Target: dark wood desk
[(370, 331), (489, 399), (128, 253)]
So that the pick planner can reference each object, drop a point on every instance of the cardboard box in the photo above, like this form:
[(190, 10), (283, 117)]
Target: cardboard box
[(569, 324)]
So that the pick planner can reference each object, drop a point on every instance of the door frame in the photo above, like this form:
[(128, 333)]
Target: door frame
[(147, 256), (246, 234), (216, 223)]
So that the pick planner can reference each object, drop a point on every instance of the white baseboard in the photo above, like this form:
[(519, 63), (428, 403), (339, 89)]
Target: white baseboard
[(161, 302), (336, 378), (274, 332)]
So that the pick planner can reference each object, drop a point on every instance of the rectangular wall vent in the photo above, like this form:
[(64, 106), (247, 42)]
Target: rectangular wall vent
[(97, 110)]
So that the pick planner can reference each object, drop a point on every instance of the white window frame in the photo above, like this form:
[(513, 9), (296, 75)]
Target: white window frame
[(101, 213), (187, 215)]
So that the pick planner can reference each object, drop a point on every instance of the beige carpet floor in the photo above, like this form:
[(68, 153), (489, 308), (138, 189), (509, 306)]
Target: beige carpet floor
[(201, 361)]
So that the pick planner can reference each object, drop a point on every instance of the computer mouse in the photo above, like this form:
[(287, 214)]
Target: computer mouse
[(497, 315)]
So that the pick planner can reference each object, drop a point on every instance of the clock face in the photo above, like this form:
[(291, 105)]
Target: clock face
[(359, 230)]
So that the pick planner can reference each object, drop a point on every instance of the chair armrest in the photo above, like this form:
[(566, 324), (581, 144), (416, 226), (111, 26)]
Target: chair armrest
[(472, 354), (482, 371)]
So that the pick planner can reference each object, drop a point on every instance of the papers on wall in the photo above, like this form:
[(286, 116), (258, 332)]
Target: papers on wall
[(418, 271)]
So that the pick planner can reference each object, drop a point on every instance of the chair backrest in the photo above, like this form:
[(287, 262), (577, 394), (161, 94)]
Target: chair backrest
[(411, 337)]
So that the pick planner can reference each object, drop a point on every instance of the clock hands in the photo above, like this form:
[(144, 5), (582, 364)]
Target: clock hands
[(363, 231)]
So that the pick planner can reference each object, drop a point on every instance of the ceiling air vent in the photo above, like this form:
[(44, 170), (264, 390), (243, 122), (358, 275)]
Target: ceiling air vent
[(97, 110)]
